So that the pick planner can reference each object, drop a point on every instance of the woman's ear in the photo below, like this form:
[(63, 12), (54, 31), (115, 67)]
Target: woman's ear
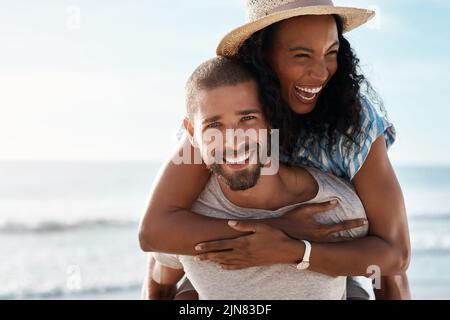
[(189, 129)]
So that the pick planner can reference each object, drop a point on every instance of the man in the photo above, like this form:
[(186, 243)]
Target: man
[(223, 96)]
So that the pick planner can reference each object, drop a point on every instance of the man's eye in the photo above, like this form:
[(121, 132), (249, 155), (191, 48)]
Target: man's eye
[(301, 56), (213, 125)]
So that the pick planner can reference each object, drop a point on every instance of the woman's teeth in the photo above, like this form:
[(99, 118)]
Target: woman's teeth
[(308, 94), (308, 98), (310, 90)]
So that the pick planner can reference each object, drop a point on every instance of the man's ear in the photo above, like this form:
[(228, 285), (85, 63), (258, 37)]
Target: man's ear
[(189, 129)]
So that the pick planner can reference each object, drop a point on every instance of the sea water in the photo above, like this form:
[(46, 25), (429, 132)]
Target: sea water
[(70, 230)]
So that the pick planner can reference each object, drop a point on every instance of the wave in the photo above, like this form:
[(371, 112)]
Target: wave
[(61, 293), (443, 252), (54, 226), (430, 216), (60, 226)]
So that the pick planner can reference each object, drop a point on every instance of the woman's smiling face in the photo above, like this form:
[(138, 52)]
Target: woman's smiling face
[(304, 56)]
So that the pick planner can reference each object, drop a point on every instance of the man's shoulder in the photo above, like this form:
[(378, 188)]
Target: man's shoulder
[(298, 180)]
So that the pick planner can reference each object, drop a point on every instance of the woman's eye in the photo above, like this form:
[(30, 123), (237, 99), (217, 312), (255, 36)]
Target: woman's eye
[(301, 56), (248, 118), (332, 53)]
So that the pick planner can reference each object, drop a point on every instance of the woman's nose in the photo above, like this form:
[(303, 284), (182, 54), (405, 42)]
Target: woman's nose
[(319, 71)]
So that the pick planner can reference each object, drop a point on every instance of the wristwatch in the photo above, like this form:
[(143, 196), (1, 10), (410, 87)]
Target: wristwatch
[(304, 265)]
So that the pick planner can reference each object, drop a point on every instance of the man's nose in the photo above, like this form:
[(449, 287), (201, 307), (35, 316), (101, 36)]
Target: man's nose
[(236, 144)]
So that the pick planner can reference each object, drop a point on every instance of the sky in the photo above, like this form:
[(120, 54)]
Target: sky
[(104, 80)]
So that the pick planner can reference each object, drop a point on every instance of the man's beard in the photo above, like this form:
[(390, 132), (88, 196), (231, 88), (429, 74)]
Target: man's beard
[(240, 180), (244, 179)]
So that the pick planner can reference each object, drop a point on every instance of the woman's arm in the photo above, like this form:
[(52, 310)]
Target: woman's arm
[(387, 245), (170, 227), (388, 203)]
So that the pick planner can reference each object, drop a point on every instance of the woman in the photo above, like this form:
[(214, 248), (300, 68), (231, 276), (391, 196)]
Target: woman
[(313, 93)]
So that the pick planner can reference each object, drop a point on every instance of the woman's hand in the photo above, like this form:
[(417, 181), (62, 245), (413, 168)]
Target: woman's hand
[(301, 224), (265, 246)]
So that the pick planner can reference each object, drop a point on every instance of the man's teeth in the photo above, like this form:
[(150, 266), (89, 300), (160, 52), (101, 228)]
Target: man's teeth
[(310, 90), (237, 160)]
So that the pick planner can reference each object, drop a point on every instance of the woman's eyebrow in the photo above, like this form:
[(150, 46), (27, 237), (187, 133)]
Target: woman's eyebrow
[(299, 48), (337, 43)]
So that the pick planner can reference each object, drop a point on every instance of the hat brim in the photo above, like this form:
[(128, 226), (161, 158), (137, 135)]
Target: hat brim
[(351, 17)]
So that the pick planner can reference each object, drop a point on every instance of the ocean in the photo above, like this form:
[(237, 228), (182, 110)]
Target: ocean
[(70, 230)]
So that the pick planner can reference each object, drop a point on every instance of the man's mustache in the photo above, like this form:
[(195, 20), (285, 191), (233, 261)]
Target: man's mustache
[(222, 155)]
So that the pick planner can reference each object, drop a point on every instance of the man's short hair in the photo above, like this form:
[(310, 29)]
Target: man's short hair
[(212, 74)]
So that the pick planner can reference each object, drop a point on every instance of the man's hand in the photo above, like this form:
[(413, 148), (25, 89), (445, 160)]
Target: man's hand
[(301, 224), (264, 246)]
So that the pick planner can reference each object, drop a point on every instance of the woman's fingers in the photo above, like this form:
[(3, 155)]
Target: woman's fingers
[(246, 226), (336, 239), (219, 245), (320, 207), (346, 225), (227, 257)]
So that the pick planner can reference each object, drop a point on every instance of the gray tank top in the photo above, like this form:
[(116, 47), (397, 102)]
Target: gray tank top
[(275, 282)]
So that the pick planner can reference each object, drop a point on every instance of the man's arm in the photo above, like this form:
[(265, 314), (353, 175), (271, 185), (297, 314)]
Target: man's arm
[(163, 282), (145, 291), (394, 288)]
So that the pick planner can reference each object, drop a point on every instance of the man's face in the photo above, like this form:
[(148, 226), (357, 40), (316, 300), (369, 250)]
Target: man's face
[(227, 128)]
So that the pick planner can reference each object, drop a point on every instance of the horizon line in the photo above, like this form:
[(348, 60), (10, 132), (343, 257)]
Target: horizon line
[(162, 161)]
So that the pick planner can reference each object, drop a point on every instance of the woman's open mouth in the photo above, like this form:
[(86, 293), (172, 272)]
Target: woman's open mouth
[(307, 95)]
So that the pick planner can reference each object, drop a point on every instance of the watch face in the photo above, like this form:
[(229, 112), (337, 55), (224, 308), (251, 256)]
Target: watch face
[(303, 266)]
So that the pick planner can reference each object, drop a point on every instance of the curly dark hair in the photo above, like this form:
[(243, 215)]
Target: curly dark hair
[(338, 108)]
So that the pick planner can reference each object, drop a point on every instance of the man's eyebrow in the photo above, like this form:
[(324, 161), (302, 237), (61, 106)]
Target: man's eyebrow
[(239, 113), (249, 111), (212, 119), (299, 48)]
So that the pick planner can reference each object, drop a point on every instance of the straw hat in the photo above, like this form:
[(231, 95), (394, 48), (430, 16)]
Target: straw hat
[(263, 13)]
